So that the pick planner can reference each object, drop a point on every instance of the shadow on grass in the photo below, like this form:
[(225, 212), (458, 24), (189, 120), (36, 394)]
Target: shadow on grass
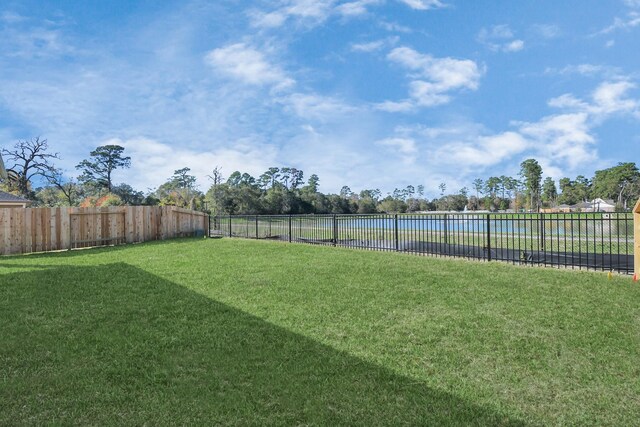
[(115, 344)]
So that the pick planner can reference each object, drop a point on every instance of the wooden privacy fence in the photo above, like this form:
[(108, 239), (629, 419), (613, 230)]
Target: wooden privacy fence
[(50, 229)]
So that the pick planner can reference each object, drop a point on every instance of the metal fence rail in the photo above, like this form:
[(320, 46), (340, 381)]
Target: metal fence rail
[(602, 241)]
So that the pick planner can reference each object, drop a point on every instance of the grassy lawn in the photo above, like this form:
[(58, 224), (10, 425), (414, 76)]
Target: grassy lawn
[(242, 332)]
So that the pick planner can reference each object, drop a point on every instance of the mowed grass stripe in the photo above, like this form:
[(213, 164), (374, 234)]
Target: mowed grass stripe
[(252, 332)]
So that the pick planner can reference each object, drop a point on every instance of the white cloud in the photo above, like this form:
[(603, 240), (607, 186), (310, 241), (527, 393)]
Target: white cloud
[(456, 153), (11, 17), (405, 147), (563, 138), (303, 12), (607, 99), (500, 38), (396, 107), (341, 155), (368, 47), (427, 94), (567, 101), (248, 65), (583, 69), (34, 42), (546, 31), (567, 138), (374, 45), (513, 46), (432, 78), (355, 8), (485, 150), (152, 162), (394, 27), (315, 12), (317, 9), (496, 32), (268, 20), (445, 73), (317, 107), (632, 20), (563, 143), (610, 98), (467, 147), (28, 38), (424, 4)]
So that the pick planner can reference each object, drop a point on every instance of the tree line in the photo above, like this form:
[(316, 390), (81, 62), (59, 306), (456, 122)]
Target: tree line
[(284, 190), (620, 183)]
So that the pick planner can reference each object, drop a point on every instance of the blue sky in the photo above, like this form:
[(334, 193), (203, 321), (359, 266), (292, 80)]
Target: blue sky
[(365, 93)]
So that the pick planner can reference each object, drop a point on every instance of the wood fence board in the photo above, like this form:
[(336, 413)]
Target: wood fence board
[(51, 230), (4, 228), (48, 229), (29, 232), (13, 239), (65, 242), (73, 227), (146, 218), (129, 223), (58, 234)]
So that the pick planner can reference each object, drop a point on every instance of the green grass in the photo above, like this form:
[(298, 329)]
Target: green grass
[(241, 332)]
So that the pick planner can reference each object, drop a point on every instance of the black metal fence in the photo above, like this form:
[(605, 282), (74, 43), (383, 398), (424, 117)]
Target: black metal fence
[(602, 241)]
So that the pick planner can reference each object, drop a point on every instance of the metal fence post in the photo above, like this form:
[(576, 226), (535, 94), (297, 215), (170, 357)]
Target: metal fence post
[(289, 228), (446, 229), (256, 226), (395, 226), (230, 225), (542, 234), (488, 237), (636, 240), (335, 230)]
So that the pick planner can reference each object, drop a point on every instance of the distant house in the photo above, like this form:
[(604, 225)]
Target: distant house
[(602, 205), (596, 205), (582, 207), (8, 200), (557, 209)]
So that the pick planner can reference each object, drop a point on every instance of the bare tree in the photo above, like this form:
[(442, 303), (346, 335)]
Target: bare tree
[(216, 175), (29, 158), (68, 188)]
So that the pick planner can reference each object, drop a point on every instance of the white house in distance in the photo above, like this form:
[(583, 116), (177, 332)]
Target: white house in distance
[(601, 205), (8, 200), (595, 205)]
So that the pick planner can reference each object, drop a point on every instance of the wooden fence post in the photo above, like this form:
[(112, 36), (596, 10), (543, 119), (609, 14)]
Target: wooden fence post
[(636, 241)]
